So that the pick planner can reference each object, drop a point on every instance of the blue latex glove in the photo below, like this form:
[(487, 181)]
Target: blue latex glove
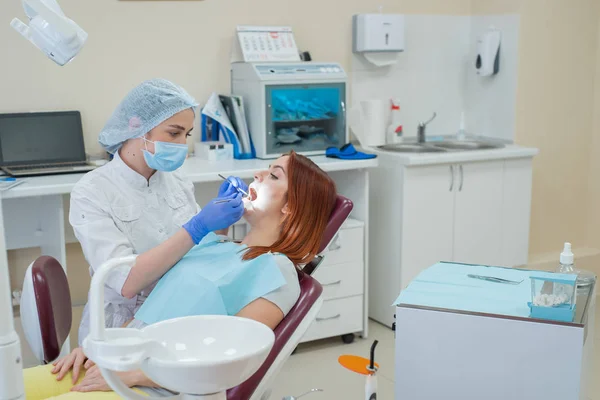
[(229, 186), (215, 216)]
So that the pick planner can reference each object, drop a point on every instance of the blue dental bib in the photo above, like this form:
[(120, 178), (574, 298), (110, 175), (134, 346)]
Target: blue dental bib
[(211, 279)]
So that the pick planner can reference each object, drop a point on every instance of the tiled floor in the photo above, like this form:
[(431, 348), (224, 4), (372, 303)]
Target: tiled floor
[(315, 365)]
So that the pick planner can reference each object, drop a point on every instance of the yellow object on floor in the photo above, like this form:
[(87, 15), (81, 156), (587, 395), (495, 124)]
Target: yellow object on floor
[(40, 384)]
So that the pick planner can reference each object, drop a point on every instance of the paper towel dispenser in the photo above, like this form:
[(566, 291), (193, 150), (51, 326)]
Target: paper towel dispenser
[(378, 33)]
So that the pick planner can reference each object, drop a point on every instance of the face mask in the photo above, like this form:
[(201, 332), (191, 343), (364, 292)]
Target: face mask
[(167, 157)]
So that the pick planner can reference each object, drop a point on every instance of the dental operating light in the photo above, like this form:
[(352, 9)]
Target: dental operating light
[(50, 30)]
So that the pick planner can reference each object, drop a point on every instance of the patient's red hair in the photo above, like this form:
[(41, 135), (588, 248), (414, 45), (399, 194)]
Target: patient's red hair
[(310, 198)]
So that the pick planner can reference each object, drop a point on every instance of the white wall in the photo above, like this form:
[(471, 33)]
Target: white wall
[(491, 101), (436, 73), (428, 76), (188, 42)]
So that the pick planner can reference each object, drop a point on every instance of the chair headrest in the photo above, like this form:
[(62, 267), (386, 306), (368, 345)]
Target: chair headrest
[(341, 211), (46, 307)]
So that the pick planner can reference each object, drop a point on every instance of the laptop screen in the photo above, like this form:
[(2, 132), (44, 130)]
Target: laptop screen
[(39, 138)]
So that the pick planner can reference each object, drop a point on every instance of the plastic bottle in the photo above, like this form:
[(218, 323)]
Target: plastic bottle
[(585, 281), (566, 260), (394, 131)]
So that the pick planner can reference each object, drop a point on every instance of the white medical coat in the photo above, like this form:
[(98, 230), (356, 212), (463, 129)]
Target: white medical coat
[(116, 212)]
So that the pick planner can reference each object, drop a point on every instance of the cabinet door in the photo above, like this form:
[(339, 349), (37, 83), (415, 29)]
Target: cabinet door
[(427, 226), (516, 212), (478, 213)]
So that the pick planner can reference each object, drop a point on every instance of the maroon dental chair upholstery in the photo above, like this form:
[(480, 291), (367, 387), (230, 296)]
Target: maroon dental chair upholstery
[(310, 290), (53, 317), (46, 308)]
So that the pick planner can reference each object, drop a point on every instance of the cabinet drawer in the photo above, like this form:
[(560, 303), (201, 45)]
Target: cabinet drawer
[(341, 280), (347, 246), (337, 317)]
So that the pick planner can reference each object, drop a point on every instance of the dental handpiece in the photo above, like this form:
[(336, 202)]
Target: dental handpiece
[(238, 189)]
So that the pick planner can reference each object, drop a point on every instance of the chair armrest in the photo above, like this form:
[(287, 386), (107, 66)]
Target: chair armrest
[(312, 266)]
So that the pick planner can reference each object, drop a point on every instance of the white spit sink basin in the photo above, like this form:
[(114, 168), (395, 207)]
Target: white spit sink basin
[(198, 356)]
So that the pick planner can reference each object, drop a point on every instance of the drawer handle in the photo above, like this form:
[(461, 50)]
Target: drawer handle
[(335, 243), (328, 318), (332, 283)]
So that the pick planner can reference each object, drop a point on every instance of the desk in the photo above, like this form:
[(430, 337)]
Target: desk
[(469, 339), (34, 215)]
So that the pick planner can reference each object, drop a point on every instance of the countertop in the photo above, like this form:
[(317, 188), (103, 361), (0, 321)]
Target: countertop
[(510, 151), (196, 169)]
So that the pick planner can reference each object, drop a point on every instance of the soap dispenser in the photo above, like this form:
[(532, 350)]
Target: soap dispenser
[(487, 62), (585, 280)]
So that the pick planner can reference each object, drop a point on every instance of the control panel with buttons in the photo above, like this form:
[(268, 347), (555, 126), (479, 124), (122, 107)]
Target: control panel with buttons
[(298, 69)]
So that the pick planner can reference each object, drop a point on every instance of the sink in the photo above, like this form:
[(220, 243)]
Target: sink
[(198, 356), (206, 353), (411, 148), (466, 145), (442, 146)]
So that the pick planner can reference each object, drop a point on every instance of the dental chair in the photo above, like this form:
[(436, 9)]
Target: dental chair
[(46, 312), (289, 332)]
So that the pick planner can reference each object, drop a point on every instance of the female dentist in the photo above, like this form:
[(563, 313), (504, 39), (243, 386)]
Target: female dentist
[(138, 203)]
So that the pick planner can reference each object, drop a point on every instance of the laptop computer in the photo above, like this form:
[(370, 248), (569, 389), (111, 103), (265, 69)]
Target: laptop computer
[(42, 143)]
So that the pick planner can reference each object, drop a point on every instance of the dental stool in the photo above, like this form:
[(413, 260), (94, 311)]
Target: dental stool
[(46, 312), (46, 308)]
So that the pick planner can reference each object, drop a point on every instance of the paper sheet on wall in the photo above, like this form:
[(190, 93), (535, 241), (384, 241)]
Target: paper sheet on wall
[(267, 44)]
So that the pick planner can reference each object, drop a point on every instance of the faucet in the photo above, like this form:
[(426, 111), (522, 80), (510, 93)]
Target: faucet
[(421, 129)]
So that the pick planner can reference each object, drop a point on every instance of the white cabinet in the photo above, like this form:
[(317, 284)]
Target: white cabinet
[(427, 218), (453, 212), (336, 317), (468, 354), (516, 200), (469, 212), (478, 213), (342, 275)]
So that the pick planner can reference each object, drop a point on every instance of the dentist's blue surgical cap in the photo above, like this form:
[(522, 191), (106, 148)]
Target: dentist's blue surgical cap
[(143, 109)]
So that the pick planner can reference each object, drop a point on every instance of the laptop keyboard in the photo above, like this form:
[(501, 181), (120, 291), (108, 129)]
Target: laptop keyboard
[(48, 166)]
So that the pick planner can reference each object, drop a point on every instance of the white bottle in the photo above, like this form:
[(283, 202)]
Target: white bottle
[(585, 280), (566, 260), (394, 131)]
